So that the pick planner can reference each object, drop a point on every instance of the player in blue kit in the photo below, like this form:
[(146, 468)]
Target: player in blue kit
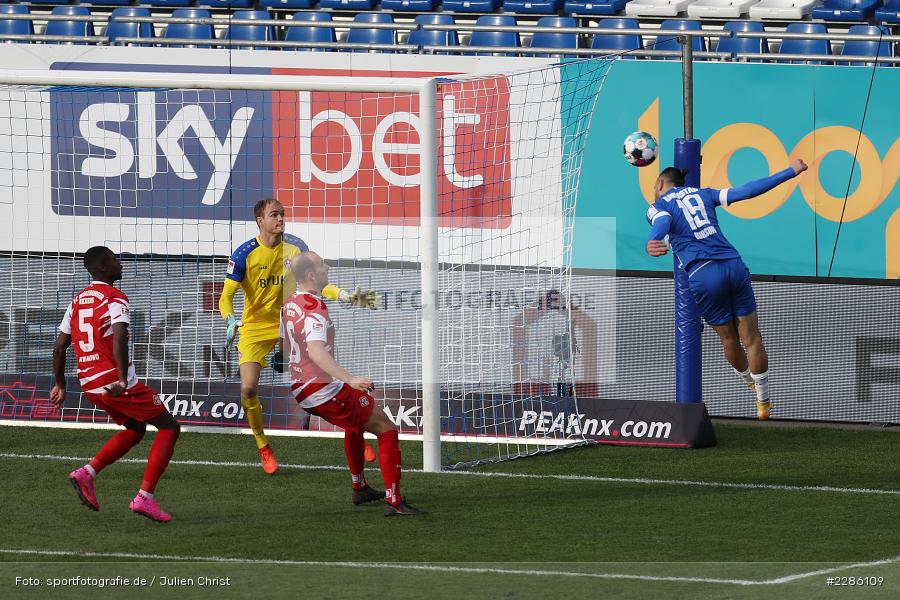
[(718, 278)]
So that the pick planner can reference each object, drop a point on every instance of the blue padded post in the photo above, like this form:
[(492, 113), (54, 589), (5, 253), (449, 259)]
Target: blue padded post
[(688, 324)]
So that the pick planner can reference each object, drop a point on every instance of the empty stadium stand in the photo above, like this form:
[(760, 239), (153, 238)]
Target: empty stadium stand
[(825, 32)]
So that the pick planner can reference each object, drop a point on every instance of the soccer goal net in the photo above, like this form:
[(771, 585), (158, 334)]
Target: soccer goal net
[(454, 199)]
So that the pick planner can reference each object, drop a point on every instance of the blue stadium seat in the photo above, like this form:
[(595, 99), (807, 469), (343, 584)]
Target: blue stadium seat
[(867, 48), (495, 39), (889, 13), (555, 40), (75, 28), (226, 3), (348, 4), (15, 27), (596, 7), (532, 6), (286, 3), (421, 37), (845, 10), (64, 2), (625, 42), (116, 29), (670, 42), (476, 6), (410, 5), (250, 33), (372, 36), (310, 34), (190, 31), (735, 45), (166, 3), (801, 46)]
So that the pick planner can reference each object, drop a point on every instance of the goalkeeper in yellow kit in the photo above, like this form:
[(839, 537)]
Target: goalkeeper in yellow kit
[(261, 268)]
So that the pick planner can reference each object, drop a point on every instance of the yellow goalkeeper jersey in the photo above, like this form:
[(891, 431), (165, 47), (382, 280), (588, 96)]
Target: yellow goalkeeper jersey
[(265, 277)]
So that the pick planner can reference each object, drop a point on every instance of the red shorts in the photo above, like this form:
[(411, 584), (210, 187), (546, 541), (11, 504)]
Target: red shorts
[(139, 402), (350, 409)]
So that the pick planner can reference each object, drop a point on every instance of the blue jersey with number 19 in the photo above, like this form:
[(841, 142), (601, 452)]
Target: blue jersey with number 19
[(694, 232)]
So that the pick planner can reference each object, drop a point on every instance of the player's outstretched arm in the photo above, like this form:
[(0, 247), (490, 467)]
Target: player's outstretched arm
[(58, 393), (358, 297), (761, 186)]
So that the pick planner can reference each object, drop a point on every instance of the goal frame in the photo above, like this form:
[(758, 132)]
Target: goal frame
[(425, 88)]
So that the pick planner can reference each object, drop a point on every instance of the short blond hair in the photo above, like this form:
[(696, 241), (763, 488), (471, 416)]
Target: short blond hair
[(302, 265)]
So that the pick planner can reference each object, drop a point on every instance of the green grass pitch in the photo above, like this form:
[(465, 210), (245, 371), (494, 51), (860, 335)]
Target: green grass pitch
[(771, 512)]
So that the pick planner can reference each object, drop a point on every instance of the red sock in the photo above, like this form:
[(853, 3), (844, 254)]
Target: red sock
[(355, 448), (160, 454), (115, 448), (389, 461)]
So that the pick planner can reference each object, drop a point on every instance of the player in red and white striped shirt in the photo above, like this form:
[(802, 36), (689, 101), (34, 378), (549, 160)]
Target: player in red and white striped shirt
[(324, 388), (96, 322)]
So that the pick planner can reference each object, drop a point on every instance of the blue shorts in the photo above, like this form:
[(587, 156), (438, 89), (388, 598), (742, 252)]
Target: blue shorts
[(722, 289)]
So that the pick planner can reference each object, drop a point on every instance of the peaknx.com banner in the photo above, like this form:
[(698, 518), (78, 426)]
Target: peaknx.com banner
[(617, 422)]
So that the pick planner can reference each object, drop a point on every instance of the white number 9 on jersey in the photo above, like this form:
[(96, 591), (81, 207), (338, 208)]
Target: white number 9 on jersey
[(694, 211)]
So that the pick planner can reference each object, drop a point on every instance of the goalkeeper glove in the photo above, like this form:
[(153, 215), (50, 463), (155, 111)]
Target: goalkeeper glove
[(278, 362), (362, 298), (232, 324)]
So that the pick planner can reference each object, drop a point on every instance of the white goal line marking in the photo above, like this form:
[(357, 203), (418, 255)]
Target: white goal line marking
[(447, 568), (591, 478)]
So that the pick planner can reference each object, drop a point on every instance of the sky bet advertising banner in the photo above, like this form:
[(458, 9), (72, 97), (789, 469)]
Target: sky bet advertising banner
[(751, 119), (185, 167)]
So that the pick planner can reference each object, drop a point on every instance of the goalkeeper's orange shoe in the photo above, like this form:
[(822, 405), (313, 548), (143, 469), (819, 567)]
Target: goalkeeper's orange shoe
[(269, 464), (763, 410), (83, 483), (370, 453)]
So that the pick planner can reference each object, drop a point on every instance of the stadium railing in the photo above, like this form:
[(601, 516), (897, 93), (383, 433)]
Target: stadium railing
[(669, 41)]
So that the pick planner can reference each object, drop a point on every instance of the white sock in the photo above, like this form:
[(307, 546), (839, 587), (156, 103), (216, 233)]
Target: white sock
[(145, 494), (744, 375), (90, 470), (762, 386)]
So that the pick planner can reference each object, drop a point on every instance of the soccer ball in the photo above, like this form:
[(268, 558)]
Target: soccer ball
[(641, 149)]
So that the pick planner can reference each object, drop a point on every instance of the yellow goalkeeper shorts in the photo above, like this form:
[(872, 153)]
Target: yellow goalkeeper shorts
[(254, 351)]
